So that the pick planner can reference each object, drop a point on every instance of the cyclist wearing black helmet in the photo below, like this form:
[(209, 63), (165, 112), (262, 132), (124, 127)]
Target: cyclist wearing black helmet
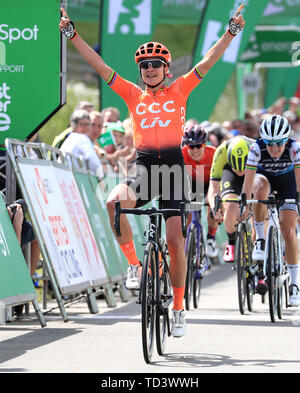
[(198, 158)]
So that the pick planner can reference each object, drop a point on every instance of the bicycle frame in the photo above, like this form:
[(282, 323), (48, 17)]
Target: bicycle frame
[(196, 218), (195, 209), (274, 222)]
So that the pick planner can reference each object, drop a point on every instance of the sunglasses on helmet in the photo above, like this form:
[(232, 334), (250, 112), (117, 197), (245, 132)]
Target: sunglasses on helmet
[(196, 146), (279, 142), (145, 64)]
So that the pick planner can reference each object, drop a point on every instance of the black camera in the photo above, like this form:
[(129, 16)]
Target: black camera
[(13, 206)]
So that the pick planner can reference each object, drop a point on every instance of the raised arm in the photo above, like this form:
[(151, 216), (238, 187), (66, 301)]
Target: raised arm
[(68, 29), (236, 24)]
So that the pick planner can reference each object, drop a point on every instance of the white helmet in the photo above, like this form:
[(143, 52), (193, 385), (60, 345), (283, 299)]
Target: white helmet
[(274, 128)]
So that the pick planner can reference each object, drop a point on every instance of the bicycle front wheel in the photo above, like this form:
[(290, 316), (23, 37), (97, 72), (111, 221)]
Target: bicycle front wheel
[(165, 300), (148, 301), (272, 274), (240, 261), (199, 271)]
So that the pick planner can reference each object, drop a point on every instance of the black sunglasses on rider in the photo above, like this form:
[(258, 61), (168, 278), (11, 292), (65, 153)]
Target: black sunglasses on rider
[(154, 64), (198, 146)]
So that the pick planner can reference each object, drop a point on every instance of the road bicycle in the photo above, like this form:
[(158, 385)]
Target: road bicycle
[(247, 270), (274, 266), (197, 261), (156, 293)]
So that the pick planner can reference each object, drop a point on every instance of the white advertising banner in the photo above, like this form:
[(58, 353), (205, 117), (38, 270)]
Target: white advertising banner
[(55, 224), (83, 231)]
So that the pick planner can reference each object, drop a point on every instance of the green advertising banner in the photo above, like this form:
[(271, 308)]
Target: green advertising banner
[(84, 10), (204, 98), (115, 252), (281, 12), (125, 25), (31, 65), (172, 11), (185, 12), (15, 281), (282, 81), (270, 44)]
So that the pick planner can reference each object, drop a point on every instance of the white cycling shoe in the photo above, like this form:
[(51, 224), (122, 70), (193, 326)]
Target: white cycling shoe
[(178, 323), (294, 298), (211, 248), (133, 280), (258, 253)]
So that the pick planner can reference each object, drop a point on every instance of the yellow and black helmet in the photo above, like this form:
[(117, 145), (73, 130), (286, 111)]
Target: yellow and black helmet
[(237, 152)]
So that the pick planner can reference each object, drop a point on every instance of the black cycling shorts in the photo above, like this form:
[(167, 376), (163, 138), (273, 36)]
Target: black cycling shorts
[(162, 177), (231, 183), (284, 185)]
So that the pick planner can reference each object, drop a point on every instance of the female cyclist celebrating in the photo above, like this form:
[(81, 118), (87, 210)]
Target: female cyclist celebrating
[(158, 118)]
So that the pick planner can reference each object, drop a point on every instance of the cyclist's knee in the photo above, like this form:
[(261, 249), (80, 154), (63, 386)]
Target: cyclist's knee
[(231, 211), (261, 188), (110, 205), (288, 232)]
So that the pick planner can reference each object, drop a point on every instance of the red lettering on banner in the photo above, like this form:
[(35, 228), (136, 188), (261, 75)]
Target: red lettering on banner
[(41, 185), (59, 230), (83, 219), (76, 222)]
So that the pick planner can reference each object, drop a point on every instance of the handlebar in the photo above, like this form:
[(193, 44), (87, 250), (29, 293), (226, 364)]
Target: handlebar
[(148, 212), (242, 201)]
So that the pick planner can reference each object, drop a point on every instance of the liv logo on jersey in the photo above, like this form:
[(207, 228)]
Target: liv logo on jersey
[(129, 16), (154, 108)]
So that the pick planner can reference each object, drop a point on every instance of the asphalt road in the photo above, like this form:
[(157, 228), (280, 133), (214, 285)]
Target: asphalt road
[(218, 340)]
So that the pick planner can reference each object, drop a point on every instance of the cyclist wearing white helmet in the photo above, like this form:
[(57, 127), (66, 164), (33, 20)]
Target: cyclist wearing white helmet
[(274, 165)]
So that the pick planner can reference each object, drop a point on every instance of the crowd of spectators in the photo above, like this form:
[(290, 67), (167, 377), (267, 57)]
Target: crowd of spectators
[(249, 126), (100, 139), (105, 142)]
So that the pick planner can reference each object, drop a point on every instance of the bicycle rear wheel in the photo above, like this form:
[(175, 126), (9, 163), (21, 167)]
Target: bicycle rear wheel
[(272, 274), (191, 255), (199, 271), (148, 301), (249, 277), (241, 268)]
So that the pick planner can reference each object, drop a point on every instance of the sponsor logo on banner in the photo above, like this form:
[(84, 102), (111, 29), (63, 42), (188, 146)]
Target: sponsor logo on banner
[(129, 16), (5, 101), (11, 34), (3, 243)]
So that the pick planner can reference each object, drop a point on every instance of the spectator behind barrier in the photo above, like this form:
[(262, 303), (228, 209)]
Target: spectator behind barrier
[(80, 142), (25, 236), (74, 119)]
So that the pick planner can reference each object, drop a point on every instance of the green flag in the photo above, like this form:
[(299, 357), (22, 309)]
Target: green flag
[(204, 98), (125, 25), (106, 139)]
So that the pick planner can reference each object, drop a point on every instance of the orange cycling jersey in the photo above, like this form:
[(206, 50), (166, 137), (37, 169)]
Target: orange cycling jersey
[(205, 162), (158, 119)]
